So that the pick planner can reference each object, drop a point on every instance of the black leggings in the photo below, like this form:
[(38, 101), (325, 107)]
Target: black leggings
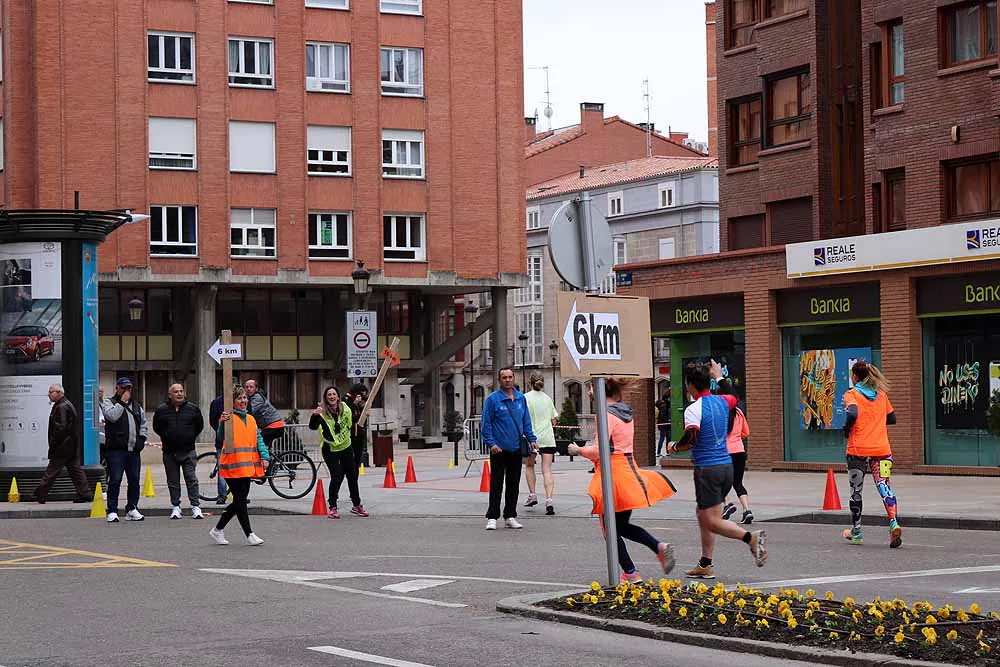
[(240, 488), (628, 531), (342, 464), (739, 467)]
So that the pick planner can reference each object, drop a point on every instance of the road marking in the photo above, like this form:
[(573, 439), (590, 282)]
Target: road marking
[(380, 557), (876, 576), (291, 578), (42, 557), (416, 585), (366, 657), (975, 590)]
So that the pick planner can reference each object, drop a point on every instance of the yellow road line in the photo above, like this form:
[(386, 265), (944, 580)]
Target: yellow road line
[(39, 551)]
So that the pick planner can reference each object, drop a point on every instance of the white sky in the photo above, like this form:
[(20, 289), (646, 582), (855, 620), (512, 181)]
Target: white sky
[(600, 51)]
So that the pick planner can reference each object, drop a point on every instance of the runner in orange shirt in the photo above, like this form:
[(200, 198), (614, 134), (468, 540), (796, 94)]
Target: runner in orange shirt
[(868, 413)]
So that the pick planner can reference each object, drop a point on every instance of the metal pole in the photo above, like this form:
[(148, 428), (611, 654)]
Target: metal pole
[(600, 398), (524, 381)]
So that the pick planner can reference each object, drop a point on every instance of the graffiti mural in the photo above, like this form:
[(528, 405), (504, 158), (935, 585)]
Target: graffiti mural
[(824, 377)]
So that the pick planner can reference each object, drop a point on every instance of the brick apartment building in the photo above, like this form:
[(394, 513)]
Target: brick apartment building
[(274, 144), (831, 113)]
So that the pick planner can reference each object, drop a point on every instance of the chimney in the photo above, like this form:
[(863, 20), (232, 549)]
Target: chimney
[(529, 128), (678, 137), (582, 171), (591, 115), (712, 72), (650, 126)]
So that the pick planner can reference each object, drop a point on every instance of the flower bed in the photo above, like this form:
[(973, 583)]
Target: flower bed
[(919, 631)]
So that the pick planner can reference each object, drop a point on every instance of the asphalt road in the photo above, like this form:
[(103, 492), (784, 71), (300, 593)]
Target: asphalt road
[(319, 583)]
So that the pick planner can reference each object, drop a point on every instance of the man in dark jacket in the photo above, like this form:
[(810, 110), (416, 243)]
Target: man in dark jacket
[(179, 423), (64, 448), (215, 411), (125, 438), (356, 399), (269, 421)]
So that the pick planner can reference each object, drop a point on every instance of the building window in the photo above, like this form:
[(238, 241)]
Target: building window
[(533, 292), (329, 235), (791, 220), (970, 32), (746, 232), (621, 251), (255, 2), (574, 391), (665, 192), (615, 200), (252, 232), (328, 150), (402, 71), (170, 57), (173, 230), (403, 237), (745, 124), (788, 108), (895, 201), (534, 217), (401, 6), (251, 147), (775, 8), (741, 21), (895, 71), (667, 248), (250, 62), (530, 322), (974, 188), (327, 4), (1, 145), (328, 67), (403, 153), (172, 143)]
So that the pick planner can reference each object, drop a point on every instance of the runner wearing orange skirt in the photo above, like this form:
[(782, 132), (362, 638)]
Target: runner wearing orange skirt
[(633, 488)]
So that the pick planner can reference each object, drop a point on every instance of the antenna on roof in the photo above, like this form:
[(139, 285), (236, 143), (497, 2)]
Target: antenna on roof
[(547, 111), (649, 124)]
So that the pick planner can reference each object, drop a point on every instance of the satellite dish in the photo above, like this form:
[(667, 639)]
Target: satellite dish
[(548, 112)]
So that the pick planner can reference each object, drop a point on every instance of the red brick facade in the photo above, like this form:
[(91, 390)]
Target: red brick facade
[(712, 71)]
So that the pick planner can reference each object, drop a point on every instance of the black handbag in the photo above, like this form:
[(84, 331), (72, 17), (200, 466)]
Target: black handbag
[(525, 444)]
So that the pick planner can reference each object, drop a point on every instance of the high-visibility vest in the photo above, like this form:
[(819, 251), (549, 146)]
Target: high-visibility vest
[(244, 461)]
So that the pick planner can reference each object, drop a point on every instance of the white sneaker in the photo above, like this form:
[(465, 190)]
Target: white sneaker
[(253, 540), (512, 523), (133, 515), (196, 513), (218, 536), (491, 524), (175, 513), (113, 518)]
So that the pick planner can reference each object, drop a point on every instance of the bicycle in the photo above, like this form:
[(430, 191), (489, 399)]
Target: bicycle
[(291, 474)]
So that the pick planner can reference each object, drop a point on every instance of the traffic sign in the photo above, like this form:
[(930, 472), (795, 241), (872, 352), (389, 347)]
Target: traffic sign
[(218, 351), (565, 242), (362, 355), (604, 335)]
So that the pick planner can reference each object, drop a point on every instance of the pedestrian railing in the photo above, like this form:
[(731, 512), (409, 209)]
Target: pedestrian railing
[(298, 438), (475, 448)]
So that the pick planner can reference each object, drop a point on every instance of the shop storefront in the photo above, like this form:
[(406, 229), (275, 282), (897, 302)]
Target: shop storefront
[(961, 354), (824, 330), (699, 329)]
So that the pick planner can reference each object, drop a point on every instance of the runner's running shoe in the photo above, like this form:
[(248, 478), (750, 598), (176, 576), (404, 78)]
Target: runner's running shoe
[(758, 547), (747, 518), (895, 535), (665, 554), (853, 535), (532, 500), (699, 572), (634, 578), (728, 510)]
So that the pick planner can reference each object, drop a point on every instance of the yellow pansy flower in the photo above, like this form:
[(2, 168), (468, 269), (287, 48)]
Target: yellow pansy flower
[(829, 595), (810, 593), (899, 638), (594, 586), (792, 624), (682, 612), (930, 620), (849, 602), (952, 636), (961, 616), (834, 635), (974, 608), (722, 619), (879, 631)]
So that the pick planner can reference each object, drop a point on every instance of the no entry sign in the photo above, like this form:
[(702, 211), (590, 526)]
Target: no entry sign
[(362, 357)]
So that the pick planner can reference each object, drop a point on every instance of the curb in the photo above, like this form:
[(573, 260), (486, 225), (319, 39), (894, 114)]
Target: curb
[(153, 511), (523, 605), (939, 522)]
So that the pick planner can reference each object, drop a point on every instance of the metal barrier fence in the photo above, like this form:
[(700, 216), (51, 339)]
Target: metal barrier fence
[(476, 449), (298, 438)]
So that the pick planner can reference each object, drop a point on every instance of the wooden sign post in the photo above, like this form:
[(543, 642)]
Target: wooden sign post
[(224, 351), (391, 358)]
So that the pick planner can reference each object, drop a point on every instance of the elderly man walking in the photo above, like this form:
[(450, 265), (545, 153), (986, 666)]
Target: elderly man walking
[(64, 448), (178, 422)]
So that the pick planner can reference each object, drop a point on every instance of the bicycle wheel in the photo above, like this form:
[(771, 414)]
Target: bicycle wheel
[(292, 474), (207, 472)]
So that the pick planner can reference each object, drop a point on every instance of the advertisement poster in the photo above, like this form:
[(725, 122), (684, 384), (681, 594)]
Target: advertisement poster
[(30, 348), (732, 370), (91, 373), (824, 378), (966, 374)]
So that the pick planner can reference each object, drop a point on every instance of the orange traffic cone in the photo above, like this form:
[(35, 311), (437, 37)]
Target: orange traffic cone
[(831, 499), (411, 474), (484, 483), (319, 501), (390, 477)]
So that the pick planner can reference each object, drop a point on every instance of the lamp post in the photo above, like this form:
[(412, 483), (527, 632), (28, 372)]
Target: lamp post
[(470, 317), (361, 276), (554, 350), (523, 338), (135, 306)]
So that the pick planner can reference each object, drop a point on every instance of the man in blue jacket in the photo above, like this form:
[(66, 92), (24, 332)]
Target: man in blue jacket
[(505, 420)]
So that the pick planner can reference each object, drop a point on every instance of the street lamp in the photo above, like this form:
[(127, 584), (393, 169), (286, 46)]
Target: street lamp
[(470, 317), (523, 337), (360, 276), (135, 305), (554, 349)]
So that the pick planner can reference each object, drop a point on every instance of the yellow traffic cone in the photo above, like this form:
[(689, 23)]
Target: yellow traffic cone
[(97, 510), (451, 464), (393, 464), (147, 487), (361, 470), (13, 496)]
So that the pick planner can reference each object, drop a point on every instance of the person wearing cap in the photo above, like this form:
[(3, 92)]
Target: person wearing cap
[(125, 438)]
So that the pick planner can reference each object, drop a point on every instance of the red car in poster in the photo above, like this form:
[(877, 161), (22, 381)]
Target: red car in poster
[(28, 343)]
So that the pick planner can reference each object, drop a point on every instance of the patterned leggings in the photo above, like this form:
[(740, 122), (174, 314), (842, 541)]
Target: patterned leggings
[(880, 468)]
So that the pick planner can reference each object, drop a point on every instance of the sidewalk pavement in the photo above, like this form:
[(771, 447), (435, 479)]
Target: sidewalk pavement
[(924, 501)]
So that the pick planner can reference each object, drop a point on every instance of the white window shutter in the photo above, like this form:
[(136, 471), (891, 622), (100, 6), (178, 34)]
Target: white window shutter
[(326, 138), (251, 147), (172, 135)]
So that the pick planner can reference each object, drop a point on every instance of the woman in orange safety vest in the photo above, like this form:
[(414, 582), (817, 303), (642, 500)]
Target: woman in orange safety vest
[(249, 458)]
